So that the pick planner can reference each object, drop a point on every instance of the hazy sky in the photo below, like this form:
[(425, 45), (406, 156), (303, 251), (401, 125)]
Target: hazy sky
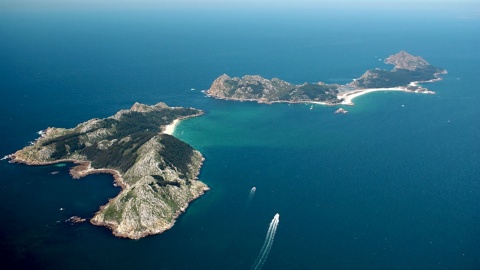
[(468, 5)]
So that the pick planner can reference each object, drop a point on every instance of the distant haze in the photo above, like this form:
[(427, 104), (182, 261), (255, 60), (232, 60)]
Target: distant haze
[(470, 5)]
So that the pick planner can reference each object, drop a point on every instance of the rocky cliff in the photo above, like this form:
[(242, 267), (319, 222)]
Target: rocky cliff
[(157, 172), (404, 60), (257, 88), (409, 70)]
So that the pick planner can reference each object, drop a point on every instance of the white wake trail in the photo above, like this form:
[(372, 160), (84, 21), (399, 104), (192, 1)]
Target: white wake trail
[(267, 244), (252, 193)]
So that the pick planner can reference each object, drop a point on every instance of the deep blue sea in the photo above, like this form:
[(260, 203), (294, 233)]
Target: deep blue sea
[(393, 184)]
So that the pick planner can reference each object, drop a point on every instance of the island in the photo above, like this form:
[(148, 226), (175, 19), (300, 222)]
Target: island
[(408, 72), (157, 172)]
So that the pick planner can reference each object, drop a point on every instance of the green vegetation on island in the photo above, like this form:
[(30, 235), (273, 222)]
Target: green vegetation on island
[(135, 128), (379, 78), (157, 172), (260, 89), (408, 71)]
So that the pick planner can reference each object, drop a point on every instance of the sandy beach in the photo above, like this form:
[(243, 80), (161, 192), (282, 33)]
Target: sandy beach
[(350, 95), (169, 129)]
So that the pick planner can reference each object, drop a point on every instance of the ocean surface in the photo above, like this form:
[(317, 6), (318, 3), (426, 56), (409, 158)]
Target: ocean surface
[(393, 184)]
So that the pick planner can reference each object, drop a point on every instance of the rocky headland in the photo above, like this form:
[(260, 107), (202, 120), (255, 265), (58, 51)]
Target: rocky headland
[(406, 75), (157, 172), (257, 88)]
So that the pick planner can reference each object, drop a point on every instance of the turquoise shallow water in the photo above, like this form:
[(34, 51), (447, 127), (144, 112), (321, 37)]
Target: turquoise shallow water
[(385, 186)]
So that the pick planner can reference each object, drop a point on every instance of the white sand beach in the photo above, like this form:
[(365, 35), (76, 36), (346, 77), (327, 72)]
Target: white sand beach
[(350, 95), (169, 129)]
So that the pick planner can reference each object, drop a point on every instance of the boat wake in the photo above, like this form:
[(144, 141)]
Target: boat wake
[(250, 196), (267, 245)]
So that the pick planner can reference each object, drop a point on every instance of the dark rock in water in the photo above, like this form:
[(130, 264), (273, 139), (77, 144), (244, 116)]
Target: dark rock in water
[(75, 219)]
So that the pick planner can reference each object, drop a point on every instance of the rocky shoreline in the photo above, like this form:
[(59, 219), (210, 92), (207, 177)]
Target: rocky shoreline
[(83, 168), (155, 189), (263, 101), (401, 78), (113, 227)]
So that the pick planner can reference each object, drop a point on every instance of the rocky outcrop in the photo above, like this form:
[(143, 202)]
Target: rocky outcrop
[(75, 219), (257, 88), (156, 171), (404, 60), (341, 111), (409, 70)]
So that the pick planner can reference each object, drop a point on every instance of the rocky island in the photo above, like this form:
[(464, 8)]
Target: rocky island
[(157, 172), (257, 88), (406, 75)]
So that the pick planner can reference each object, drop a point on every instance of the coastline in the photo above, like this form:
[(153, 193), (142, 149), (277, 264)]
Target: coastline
[(351, 90), (350, 95), (170, 128), (83, 168), (347, 96), (263, 101)]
